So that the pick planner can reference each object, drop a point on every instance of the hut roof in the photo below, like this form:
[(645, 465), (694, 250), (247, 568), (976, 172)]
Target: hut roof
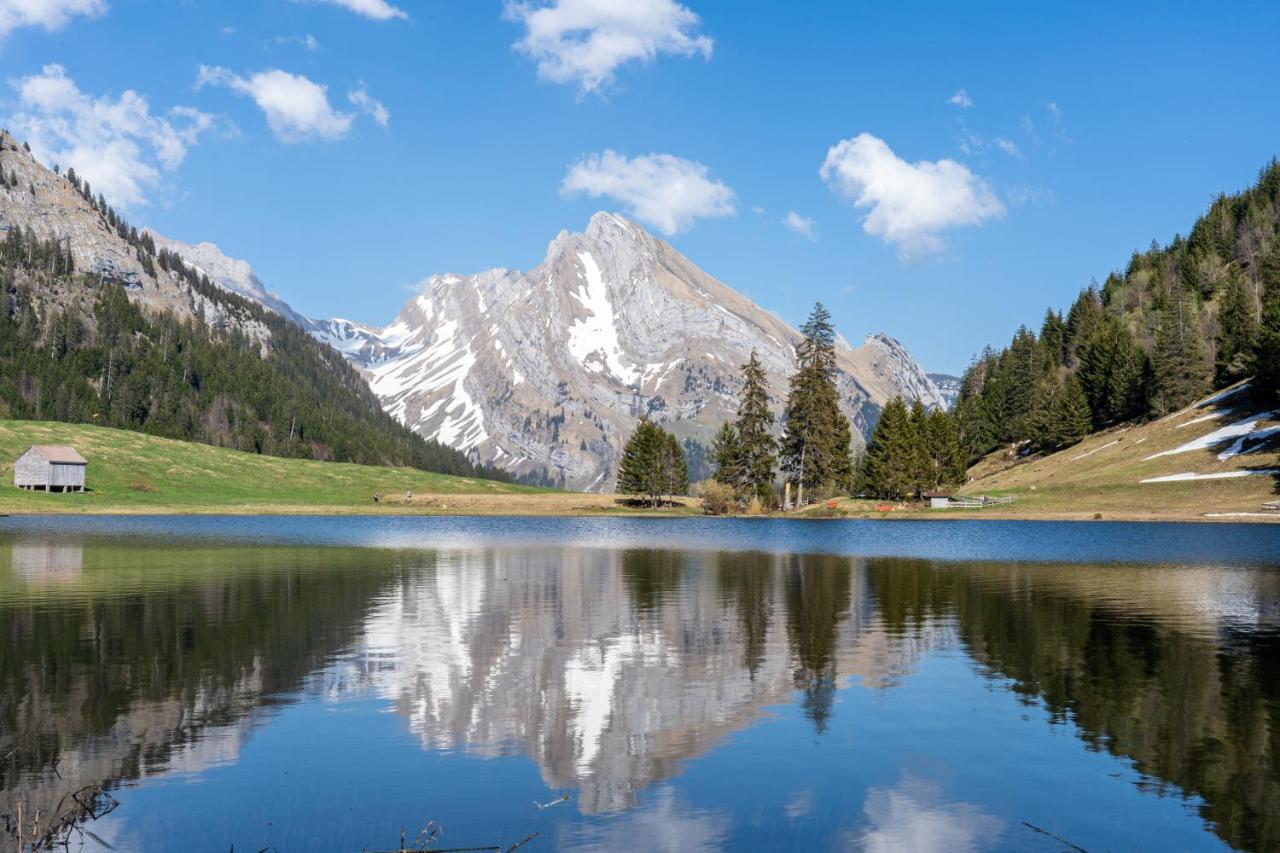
[(63, 453)]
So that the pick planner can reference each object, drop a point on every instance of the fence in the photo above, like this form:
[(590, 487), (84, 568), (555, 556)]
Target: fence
[(980, 502)]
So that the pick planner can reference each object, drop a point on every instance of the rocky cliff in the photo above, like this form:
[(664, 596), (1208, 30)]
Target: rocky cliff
[(545, 372)]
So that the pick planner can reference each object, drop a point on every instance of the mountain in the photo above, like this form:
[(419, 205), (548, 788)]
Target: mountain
[(105, 324), (948, 386), (545, 372), (228, 273)]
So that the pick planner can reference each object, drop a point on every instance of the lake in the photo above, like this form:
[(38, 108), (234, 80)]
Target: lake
[(641, 684)]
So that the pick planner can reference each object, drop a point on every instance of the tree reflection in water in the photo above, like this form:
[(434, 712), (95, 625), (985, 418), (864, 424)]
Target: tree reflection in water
[(610, 669)]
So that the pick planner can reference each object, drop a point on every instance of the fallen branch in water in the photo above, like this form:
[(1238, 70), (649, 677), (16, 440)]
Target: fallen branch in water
[(556, 802), (87, 804), (1035, 828), (422, 844)]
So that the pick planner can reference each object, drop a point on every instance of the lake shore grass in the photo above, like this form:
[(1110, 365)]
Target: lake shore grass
[(134, 474)]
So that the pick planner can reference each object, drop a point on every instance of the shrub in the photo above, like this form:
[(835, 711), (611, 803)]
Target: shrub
[(717, 498)]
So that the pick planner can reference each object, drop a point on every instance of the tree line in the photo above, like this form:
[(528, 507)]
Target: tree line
[(910, 451), (1180, 321)]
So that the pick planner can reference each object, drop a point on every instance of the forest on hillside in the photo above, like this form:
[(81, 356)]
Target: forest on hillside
[(1181, 320), (74, 348)]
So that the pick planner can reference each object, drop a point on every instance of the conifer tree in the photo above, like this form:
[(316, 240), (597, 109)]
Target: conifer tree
[(1043, 427), (1237, 328), (942, 450), (672, 474), (890, 454), (652, 464), (1179, 364), (1072, 414), (1111, 371), (726, 455), (1022, 370), (1053, 337), (639, 460), (1083, 320), (754, 430), (1267, 348), (816, 440)]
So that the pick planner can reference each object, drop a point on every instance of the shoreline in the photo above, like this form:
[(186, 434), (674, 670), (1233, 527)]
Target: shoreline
[(606, 511)]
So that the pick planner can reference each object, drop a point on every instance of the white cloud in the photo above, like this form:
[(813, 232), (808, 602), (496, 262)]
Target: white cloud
[(377, 10), (50, 14), (1020, 195), (914, 816), (757, 210), (369, 105), (907, 204), (117, 144), (1008, 146), (586, 41), (667, 192), (802, 225), (961, 99), (1055, 119), (307, 40), (297, 109)]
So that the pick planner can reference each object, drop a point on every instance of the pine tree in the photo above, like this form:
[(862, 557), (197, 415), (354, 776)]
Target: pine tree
[(891, 453), (1111, 371), (672, 475), (1073, 415), (640, 460), (726, 455), (754, 430), (1043, 431), (1237, 328), (653, 464), (1267, 346), (1083, 321), (1023, 368), (1053, 337), (816, 441), (1179, 362), (942, 450)]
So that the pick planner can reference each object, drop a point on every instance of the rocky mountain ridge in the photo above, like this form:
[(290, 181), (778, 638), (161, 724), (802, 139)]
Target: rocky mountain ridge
[(545, 372), (47, 204)]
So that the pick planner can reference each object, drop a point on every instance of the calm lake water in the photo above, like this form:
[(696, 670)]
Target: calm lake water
[(319, 684)]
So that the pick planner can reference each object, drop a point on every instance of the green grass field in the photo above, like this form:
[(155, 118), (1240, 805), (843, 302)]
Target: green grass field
[(1103, 476), (131, 472)]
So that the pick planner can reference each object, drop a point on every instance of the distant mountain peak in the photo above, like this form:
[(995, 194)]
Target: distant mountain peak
[(545, 372)]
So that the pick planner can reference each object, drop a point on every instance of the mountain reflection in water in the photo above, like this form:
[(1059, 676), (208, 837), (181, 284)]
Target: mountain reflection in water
[(616, 671)]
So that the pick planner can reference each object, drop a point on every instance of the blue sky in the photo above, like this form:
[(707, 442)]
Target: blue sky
[(457, 135)]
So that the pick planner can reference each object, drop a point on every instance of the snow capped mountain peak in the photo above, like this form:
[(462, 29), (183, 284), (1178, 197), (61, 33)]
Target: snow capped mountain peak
[(545, 372)]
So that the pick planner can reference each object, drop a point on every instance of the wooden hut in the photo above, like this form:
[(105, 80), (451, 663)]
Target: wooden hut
[(52, 467), (938, 500)]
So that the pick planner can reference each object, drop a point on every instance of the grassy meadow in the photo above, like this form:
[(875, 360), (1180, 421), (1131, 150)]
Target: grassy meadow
[(131, 472)]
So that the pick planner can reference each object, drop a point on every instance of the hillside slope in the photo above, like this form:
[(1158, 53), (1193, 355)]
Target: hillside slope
[(1215, 458), (102, 325), (1197, 314), (130, 472)]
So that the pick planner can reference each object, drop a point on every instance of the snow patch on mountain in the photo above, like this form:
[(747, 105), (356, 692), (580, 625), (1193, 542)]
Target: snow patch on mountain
[(593, 339)]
